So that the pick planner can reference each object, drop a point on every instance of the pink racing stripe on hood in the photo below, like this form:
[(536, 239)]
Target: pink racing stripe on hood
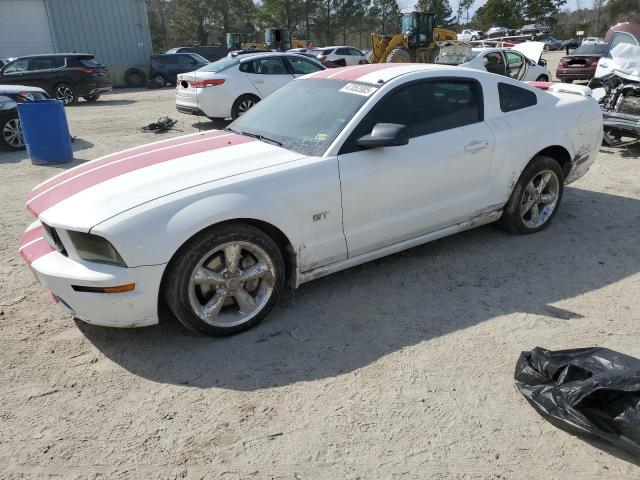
[(354, 72), (115, 157), (78, 183)]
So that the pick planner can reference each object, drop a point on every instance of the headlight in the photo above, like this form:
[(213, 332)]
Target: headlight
[(95, 249)]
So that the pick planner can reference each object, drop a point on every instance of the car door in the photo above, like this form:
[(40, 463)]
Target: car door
[(301, 66), (494, 63), (268, 74), (17, 72), (439, 178), (357, 56), (517, 65)]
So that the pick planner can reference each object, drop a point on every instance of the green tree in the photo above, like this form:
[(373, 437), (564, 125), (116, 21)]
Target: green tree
[(441, 9), (386, 15), (497, 13)]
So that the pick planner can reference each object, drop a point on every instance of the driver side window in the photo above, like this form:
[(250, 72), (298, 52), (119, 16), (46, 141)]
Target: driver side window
[(444, 104), (17, 66)]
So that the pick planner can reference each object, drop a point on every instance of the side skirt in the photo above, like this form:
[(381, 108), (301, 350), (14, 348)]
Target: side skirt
[(483, 219)]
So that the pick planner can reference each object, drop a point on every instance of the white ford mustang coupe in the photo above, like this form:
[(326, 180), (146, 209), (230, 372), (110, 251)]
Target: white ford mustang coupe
[(334, 169)]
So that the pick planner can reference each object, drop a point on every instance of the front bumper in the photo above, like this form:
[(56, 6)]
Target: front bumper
[(59, 273)]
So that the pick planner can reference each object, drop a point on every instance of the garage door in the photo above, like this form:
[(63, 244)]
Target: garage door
[(24, 28)]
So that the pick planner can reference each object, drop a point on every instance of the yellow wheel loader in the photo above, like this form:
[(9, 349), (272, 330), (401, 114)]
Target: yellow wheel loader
[(416, 43)]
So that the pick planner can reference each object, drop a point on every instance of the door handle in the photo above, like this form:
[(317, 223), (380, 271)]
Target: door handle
[(476, 146)]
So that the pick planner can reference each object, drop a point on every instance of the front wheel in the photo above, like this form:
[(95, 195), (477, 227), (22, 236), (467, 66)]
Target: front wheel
[(92, 98), (225, 280), (399, 55), (11, 136), (542, 78), (535, 198)]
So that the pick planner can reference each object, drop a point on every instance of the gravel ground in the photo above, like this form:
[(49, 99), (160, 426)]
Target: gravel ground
[(401, 368)]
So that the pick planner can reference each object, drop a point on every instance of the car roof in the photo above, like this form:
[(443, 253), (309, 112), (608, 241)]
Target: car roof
[(74, 54), (381, 73), (249, 56), (18, 89)]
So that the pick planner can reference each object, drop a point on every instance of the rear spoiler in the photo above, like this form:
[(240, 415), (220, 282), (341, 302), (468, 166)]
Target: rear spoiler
[(555, 87)]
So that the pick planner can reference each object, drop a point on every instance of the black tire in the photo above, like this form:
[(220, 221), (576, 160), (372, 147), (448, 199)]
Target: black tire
[(66, 93), (511, 219), (399, 55), (474, 38), (160, 80), (177, 277), (239, 105), (92, 98), (542, 78), (10, 121), (371, 58), (134, 78)]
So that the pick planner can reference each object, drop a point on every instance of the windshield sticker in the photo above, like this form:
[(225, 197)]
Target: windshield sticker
[(320, 137), (358, 89)]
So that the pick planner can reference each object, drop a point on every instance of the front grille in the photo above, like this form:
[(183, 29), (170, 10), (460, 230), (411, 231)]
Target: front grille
[(53, 237)]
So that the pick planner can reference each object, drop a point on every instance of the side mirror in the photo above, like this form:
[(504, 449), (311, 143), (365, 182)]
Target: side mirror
[(385, 135)]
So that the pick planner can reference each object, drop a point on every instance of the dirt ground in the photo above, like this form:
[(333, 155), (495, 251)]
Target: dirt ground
[(401, 368)]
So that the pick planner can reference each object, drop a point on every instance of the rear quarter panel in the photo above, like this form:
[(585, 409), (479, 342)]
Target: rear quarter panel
[(570, 121)]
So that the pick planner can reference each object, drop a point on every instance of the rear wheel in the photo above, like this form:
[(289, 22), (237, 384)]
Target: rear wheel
[(134, 78), (399, 55), (242, 105), (371, 58), (11, 136), (535, 198), (225, 280), (66, 93), (542, 78)]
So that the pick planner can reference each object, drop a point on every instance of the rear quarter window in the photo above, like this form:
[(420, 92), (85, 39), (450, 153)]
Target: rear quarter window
[(515, 98)]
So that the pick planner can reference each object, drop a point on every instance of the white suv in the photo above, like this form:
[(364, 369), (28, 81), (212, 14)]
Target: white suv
[(351, 55), (470, 35)]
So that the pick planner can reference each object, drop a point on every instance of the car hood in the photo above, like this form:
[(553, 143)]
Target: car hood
[(531, 50), (13, 89), (627, 58), (88, 194)]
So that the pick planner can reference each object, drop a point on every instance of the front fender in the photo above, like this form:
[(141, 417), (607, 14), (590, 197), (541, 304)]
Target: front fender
[(151, 234)]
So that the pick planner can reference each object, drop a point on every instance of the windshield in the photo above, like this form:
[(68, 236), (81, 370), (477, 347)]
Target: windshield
[(408, 24), (220, 65), (305, 115), (199, 58)]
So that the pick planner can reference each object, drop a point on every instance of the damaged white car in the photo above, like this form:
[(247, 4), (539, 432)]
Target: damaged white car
[(521, 62), (382, 158)]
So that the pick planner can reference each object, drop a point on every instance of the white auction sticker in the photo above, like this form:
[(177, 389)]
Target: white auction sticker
[(358, 89)]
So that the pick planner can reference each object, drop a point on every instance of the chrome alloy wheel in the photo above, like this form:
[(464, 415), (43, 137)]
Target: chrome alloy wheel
[(245, 105), (12, 133), (231, 284), (540, 198), (65, 94)]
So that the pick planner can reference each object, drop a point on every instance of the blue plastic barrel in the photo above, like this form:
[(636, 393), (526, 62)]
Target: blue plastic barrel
[(46, 132)]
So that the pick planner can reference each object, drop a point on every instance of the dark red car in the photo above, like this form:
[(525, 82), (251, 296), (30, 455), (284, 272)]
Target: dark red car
[(582, 63)]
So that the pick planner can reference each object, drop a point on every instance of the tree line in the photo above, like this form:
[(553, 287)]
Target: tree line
[(350, 22)]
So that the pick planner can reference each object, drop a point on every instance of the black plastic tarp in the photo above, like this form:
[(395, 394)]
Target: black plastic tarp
[(587, 391)]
